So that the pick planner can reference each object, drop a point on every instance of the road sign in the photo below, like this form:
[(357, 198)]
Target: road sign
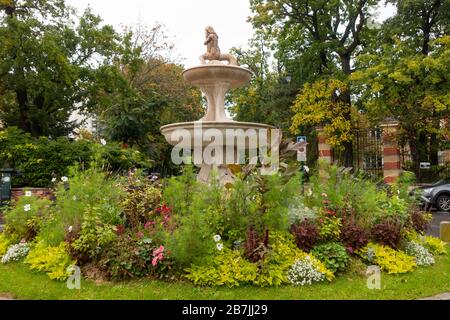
[(301, 139), (301, 154), (425, 165)]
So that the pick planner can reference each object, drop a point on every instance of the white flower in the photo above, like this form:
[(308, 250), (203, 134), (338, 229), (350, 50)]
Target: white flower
[(306, 168), (54, 180), (16, 252), (28, 193), (219, 246), (27, 207), (217, 238), (74, 198), (421, 254), (309, 193), (70, 229), (304, 272), (103, 142), (64, 179)]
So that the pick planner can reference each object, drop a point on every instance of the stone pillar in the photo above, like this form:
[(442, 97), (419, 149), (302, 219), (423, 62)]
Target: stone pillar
[(325, 154), (445, 231), (391, 152)]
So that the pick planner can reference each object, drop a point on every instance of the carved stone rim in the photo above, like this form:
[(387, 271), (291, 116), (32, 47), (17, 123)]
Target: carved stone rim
[(217, 66), (217, 125)]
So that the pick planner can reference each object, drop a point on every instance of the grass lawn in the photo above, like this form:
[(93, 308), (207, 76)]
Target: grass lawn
[(18, 282)]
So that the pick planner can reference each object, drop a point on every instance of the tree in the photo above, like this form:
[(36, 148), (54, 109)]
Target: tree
[(150, 93), (322, 102), (267, 97), (399, 81), (50, 65), (418, 23), (328, 34)]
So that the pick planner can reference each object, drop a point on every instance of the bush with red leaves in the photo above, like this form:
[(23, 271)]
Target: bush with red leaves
[(256, 247), (306, 234), (353, 236), (388, 232), (420, 222)]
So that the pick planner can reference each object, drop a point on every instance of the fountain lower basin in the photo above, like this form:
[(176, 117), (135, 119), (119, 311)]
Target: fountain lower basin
[(212, 132)]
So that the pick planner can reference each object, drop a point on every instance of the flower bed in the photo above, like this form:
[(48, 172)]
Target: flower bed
[(259, 231)]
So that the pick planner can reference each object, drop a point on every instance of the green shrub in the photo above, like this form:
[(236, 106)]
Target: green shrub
[(23, 220), (388, 259), (40, 159), (129, 257), (333, 255), (139, 201), (84, 189), (94, 236), (54, 261)]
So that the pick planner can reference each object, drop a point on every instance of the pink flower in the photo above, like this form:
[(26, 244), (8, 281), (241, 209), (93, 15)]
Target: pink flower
[(158, 251), (155, 261), (149, 224), (321, 220), (140, 235)]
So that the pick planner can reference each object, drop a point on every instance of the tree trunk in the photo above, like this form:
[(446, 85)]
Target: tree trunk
[(434, 150), (346, 98), (22, 101)]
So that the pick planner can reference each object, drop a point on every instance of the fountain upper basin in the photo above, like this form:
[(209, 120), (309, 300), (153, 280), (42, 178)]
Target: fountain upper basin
[(208, 129), (217, 73)]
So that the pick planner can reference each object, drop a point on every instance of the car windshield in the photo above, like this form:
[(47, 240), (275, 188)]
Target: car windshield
[(441, 182)]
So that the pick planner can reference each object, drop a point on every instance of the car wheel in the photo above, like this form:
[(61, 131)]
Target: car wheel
[(443, 203)]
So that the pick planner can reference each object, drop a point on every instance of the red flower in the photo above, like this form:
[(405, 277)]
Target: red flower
[(330, 212), (120, 229)]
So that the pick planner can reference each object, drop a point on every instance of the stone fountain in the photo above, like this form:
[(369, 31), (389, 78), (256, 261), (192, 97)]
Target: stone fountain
[(215, 78)]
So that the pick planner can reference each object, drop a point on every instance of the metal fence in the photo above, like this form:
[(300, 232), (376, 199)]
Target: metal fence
[(367, 153)]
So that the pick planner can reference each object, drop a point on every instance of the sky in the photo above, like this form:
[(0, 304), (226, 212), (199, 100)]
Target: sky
[(185, 21)]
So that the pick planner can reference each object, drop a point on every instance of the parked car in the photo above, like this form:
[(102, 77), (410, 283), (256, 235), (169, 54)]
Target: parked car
[(436, 195)]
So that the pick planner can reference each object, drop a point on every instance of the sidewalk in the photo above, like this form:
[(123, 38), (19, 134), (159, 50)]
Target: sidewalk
[(442, 296)]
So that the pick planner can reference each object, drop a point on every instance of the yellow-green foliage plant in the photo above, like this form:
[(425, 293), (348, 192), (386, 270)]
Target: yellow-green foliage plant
[(54, 261), (389, 260), (4, 244), (284, 253), (227, 268), (230, 268), (434, 245), (330, 228)]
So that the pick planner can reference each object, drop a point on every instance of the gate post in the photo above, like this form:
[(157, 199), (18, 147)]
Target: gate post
[(391, 152), (325, 152)]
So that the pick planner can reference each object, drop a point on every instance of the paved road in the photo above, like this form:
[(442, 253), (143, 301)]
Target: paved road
[(438, 217)]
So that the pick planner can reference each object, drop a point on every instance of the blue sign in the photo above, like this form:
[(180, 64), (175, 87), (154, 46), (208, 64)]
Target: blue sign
[(301, 139)]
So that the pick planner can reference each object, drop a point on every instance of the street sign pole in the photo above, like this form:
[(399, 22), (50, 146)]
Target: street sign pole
[(301, 157)]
